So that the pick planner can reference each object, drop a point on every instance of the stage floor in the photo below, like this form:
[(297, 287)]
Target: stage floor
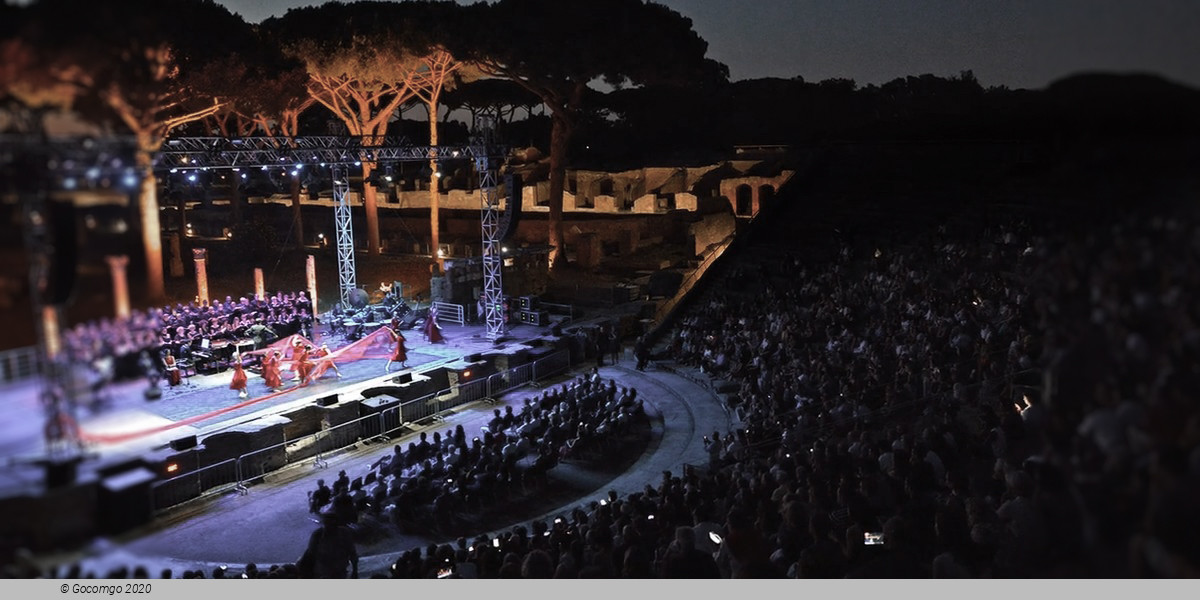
[(124, 424)]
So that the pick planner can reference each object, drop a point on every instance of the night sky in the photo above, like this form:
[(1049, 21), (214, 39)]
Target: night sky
[(1016, 43)]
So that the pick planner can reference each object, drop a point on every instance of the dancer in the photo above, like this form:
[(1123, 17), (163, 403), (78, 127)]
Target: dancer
[(239, 375), (173, 375), (401, 353), (433, 331), (302, 365), (270, 370), (324, 362)]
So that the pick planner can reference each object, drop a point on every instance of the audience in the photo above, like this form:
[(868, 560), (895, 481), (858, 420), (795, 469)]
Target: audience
[(1001, 398)]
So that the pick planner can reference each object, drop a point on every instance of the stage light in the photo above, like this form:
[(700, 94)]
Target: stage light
[(320, 236), (172, 467), (243, 175), (715, 537), (70, 183), (466, 373), (295, 173), (184, 160), (192, 177), (129, 180), (504, 248), (174, 170)]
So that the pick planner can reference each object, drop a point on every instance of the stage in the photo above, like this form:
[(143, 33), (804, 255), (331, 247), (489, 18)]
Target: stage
[(121, 424)]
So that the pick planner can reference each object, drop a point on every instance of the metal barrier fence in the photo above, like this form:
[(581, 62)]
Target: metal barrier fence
[(567, 310), (237, 473), (455, 313), (19, 363)]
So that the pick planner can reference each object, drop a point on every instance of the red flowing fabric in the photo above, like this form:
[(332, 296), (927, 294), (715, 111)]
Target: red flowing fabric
[(379, 344)]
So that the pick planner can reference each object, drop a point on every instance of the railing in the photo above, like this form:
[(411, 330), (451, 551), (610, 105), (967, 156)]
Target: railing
[(19, 363), (238, 473), (560, 309), (665, 309), (455, 313)]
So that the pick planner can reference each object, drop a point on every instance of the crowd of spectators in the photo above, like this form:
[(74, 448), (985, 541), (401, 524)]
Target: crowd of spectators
[(990, 398), (1001, 401), (438, 477)]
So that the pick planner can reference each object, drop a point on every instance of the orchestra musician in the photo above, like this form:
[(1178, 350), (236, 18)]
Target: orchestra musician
[(173, 375)]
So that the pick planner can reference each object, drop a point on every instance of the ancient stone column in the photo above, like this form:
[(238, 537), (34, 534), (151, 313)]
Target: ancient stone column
[(116, 267), (311, 268), (50, 331), (259, 290), (200, 255), (176, 256)]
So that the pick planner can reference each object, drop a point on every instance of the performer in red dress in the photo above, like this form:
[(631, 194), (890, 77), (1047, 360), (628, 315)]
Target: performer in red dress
[(303, 365), (324, 363), (401, 353), (173, 375), (270, 369), (433, 331), (239, 376)]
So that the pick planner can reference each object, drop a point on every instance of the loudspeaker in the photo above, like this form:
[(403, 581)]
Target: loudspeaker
[(536, 318), (473, 357), (525, 302), (329, 400), (60, 282), (183, 443), (386, 390), (403, 378), (512, 210)]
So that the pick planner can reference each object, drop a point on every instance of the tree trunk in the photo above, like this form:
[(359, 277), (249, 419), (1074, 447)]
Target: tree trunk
[(434, 192), (372, 210), (560, 137), (156, 290), (297, 217)]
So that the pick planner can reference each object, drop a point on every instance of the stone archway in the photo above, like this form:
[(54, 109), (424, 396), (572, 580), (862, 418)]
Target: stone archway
[(744, 200), (766, 197)]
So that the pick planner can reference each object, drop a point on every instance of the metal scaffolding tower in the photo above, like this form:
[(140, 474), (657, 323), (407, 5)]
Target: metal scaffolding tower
[(487, 163), (345, 233)]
